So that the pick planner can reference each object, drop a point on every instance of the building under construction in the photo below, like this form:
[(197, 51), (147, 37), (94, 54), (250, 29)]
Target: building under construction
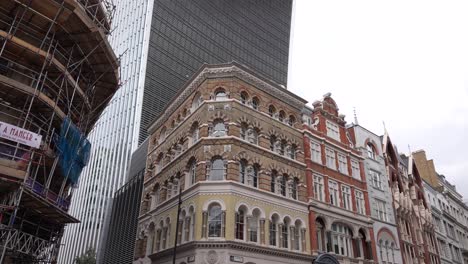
[(57, 73)]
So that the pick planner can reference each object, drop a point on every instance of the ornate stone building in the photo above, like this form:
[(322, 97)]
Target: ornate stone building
[(230, 147), (412, 212), (380, 195), (339, 210), (449, 212)]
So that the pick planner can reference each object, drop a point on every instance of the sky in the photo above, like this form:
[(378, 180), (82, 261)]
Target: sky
[(402, 63)]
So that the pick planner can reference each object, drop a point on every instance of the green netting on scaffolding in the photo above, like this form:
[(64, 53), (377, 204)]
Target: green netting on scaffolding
[(74, 151)]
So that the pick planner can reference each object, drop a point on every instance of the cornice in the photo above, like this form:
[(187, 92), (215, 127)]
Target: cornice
[(226, 71), (241, 246)]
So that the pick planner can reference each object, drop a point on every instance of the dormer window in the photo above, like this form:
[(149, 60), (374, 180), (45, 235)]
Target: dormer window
[(370, 151), (333, 130)]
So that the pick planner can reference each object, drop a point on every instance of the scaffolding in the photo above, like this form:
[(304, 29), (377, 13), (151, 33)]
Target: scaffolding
[(57, 73)]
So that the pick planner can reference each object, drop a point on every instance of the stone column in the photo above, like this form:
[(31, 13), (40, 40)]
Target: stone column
[(204, 225), (303, 239), (223, 224), (247, 227), (280, 232), (292, 237), (262, 231), (187, 228)]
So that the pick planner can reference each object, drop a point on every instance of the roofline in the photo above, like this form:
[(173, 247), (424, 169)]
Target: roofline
[(151, 127)]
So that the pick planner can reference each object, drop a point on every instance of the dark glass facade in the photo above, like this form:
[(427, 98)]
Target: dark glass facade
[(119, 234), (186, 33)]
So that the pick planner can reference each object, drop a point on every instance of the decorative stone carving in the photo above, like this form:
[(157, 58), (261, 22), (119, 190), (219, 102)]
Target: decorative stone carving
[(212, 257), (316, 123)]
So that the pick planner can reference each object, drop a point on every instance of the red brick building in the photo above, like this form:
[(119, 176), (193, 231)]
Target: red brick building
[(339, 211), (412, 213)]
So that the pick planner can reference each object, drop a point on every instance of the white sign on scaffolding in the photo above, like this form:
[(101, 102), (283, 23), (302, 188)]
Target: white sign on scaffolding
[(20, 135)]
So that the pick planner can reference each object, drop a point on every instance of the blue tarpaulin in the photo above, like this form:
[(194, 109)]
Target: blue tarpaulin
[(74, 151)]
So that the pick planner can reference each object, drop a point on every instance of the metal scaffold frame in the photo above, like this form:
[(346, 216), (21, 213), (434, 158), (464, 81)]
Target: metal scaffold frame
[(56, 76)]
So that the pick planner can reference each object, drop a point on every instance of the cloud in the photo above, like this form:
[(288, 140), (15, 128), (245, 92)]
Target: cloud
[(402, 62)]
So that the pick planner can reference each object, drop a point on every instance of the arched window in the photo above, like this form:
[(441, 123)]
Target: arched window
[(273, 228), (284, 143), (253, 226), (240, 223), (192, 172), (244, 129), (297, 235), (218, 129), (252, 136), (272, 111), (386, 247), (370, 151), (342, 240), (196, 102), (252, 174), (194, 133), (157, 243), (159, 162), (191, 225), (292, 151), (255, 103), (320, 234), (217, 170), (282, 185), (168, 190), (165, 234), (182, 238), (273, 143), (282, 116), (220, 95), (155, 197), (285, 234), (274, 175), (175, 187), (242, 171), (294, 189), (150, 239), (291, 120), (214, 220), (244, 97)]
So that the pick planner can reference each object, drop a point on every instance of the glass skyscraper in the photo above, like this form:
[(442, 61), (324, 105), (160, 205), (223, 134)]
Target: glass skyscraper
[(162, 43)]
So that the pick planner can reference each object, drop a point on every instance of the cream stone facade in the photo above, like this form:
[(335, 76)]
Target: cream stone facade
[(229, 148)]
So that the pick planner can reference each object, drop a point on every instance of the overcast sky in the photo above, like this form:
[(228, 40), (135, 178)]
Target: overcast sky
[(402, 62)]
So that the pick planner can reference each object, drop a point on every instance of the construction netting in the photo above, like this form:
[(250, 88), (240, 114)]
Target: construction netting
[(74, 150)]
